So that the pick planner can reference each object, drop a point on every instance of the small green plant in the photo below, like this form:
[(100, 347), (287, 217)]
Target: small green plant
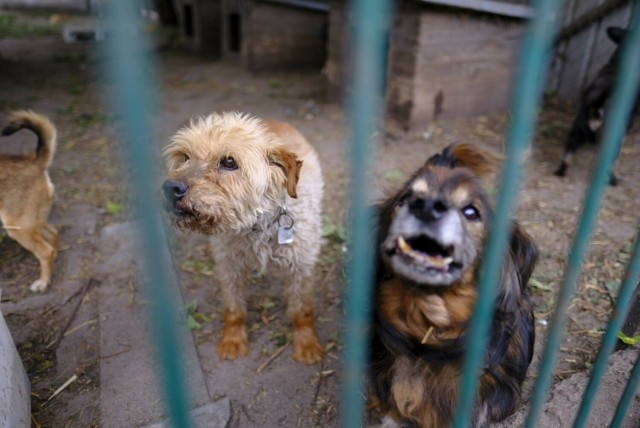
[(199, 267), (536, 283), (333, 231), (85, 120), (628, 340), (12, 26), (550, 131), (114, 208), (280, 338), (69, 169), (276, 84), (394, 176), (195, 319)]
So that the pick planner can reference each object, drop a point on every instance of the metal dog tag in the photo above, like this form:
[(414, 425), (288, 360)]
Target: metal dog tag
[(285, 229), (285, 235)]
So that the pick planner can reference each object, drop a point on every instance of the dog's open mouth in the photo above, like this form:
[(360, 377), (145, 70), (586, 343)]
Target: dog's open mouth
[(426, 254)]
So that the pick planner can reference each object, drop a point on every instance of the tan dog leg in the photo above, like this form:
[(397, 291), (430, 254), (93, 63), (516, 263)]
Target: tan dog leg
[(50, 233), (306, 346), (234, 342), (32, 239)]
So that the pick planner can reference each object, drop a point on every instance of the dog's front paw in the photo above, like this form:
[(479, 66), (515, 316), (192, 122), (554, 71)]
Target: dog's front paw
[(39, 286), (234, 342), (233, 347), (306, 347)]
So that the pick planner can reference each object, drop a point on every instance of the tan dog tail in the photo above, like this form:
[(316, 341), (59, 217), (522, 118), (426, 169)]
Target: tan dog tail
[(41, 126)]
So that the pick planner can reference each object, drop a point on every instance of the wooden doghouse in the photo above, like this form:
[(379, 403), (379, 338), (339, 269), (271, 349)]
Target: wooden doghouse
[(200, 23), (262, 34), (284, 34), (446, 58)]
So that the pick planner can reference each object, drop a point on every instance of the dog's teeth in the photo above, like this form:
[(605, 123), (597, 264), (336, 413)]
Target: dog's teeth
[(406, 248), (439, 262)]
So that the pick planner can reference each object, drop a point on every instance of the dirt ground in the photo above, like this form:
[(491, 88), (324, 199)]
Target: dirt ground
[(39, 71)]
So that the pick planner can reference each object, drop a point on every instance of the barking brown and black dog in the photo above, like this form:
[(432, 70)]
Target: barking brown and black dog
[(431, 236)]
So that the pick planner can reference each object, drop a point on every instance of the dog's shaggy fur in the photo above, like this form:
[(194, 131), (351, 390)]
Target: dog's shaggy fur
[(231, 176), (26, 194), (589, 120), (430, 241)]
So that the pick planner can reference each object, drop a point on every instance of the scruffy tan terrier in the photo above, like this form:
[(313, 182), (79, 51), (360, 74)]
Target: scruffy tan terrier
[(256, 187), (26, 193)]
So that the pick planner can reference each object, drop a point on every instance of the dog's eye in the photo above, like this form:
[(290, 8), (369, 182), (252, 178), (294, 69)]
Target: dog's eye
[(185, 158), (228, 163), (471, 213)]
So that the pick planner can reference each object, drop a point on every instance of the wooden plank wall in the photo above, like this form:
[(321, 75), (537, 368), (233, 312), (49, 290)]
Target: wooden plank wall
[(277, 37), (340, 33), (402, 59), (447, 62), (465, 63), (578, 59)]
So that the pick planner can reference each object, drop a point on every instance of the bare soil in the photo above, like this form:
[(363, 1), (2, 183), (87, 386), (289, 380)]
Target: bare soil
[(40, 72)]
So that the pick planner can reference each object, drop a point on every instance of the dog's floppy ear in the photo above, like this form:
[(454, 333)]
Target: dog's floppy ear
[(291, 165), (524, 252), (616, 34)]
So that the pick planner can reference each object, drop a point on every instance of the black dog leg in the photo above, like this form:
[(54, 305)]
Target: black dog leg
[(579, 133)]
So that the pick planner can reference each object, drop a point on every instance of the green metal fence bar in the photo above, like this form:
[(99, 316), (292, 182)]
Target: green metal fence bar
[(615, 127), (609, 340), (130, 68), (627, 396), (370, 18), (533, 66)]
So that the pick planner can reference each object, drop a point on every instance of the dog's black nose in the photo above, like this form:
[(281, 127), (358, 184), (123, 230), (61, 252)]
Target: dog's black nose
[(428, 209), (174, 190)]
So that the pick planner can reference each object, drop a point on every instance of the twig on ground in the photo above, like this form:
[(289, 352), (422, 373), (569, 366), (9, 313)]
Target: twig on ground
[(115, 354), (35, 422), (64, 385), (315, 396), (81, 290), (272, 358), (246, 413), (78, 327), (54, 344)]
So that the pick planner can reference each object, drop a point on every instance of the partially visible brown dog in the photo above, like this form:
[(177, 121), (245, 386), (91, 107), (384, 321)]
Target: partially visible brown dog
[(26, 194), (255, 187)]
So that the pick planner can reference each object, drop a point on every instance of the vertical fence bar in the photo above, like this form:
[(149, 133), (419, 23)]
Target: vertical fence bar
[(615, 126), (627, 396), (370, 18), (609, 340), (533, 66), (130, 68)]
